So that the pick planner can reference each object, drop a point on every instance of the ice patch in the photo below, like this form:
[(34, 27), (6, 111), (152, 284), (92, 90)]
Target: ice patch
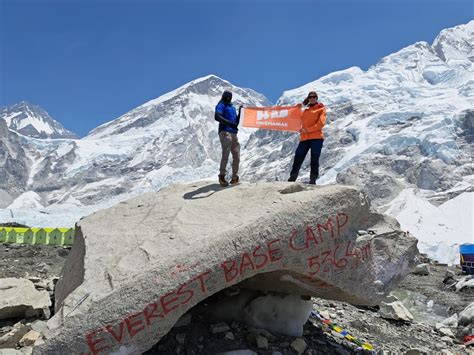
[(279, 314)]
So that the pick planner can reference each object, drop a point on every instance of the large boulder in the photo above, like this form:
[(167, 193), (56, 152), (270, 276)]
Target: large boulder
[(20, 299), (137, 267)]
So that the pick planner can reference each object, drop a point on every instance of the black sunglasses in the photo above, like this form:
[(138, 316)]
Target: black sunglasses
[(312, 97)]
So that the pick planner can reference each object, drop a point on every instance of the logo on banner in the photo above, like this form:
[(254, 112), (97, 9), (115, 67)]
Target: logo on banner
[(267, 115)]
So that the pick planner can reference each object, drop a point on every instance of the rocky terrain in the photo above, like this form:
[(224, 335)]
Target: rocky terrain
[(432, 302), (423, 335)]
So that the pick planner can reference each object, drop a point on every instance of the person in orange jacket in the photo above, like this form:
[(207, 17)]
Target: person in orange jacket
[(313, 120)]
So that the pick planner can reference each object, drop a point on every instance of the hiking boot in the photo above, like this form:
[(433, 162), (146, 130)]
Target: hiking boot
[(222, 181), (235, 180), (293, 176), (312, 182)]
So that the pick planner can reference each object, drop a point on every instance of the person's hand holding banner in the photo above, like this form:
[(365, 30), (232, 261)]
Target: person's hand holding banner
[(280, 118)]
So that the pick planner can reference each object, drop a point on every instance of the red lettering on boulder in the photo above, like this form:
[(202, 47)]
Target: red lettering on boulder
[(165, 303), (326, 228), (313, 262), (339, 263), (340, 224), (231, 272), (327, 259), (182, 291), (117, 336), (149, 315), (201, 280), (272, 252), (264, 256), (134, 325), (309, 236), (246, 262), (366, 251), (92, 343), (330, 259), (291, 242)]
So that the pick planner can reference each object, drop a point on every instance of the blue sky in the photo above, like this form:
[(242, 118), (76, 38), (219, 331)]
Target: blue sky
[(88, 62)]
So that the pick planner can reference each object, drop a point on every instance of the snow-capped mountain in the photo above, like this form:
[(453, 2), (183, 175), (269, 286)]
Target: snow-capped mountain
[(33, 121), (169, 139), (402, 130), (407, 121), (189, 101)]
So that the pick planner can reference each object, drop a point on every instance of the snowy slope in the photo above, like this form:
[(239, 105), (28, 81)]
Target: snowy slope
[(33, 121), (439, 229), (27, 200)]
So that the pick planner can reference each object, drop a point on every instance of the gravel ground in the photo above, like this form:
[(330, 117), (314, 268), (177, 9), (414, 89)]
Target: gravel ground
[(23, 261), (364, 323), (433, 288)]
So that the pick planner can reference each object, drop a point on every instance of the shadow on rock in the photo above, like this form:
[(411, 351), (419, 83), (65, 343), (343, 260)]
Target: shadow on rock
[(204, 191)]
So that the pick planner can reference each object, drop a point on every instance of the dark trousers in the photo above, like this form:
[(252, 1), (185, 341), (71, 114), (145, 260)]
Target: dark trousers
[(316, 145)]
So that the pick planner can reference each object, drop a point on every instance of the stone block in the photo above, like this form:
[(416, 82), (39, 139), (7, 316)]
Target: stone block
[(137, 267)]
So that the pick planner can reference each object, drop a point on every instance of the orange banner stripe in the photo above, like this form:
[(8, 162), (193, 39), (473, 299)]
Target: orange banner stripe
[(279, 118)]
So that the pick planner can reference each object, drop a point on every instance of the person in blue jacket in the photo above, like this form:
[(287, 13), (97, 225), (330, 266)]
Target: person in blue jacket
[(228, 120)]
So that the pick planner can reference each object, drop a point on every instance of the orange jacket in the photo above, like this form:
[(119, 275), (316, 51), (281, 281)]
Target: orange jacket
[(313, 120)]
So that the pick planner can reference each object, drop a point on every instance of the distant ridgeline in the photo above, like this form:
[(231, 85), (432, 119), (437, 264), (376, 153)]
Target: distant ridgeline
[(45, 236)]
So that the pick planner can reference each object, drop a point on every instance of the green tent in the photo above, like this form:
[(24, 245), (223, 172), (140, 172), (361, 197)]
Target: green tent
[(40, 235), (11, 235), (68, 235), (3, 234), (55, 237)]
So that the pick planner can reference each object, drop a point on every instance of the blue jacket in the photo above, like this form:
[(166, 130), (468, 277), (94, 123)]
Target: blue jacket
[(227, 116)]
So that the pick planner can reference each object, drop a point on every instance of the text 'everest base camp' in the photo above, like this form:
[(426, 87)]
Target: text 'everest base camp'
[(271, 236), (160, 241)]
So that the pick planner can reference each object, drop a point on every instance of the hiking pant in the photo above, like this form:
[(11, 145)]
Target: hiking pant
[(230, 144), (315, 145)]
